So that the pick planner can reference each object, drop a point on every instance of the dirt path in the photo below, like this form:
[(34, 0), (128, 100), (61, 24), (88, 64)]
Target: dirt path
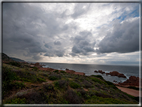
[(132, 92)]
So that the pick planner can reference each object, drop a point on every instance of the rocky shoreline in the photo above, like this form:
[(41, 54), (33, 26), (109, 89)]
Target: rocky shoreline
[(131, 82)]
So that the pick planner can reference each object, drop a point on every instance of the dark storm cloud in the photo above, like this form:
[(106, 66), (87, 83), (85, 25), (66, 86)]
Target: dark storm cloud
[(82, 44), (25, 26), (124, 38), (80, 9)]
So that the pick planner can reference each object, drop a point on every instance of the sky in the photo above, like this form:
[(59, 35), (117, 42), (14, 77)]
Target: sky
[(84, 33)]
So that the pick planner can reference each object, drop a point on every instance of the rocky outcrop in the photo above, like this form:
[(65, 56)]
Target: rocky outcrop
[(113, 73), (99, 71), (70, 71), (132, 81), (79, 73)]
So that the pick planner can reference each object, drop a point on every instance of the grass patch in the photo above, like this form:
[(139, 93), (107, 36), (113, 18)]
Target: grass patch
[(101, 100), (98, 80)]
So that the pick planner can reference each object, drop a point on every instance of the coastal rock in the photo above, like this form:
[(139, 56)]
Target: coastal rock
[(79, 73), (132, 81), (107, 73), (70, 71), (96, 71), (100, 71)]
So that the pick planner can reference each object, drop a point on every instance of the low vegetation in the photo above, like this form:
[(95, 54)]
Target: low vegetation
[(23, 85)]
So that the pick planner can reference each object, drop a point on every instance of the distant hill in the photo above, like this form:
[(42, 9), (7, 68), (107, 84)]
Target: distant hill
[(5, 57), (17, 59)]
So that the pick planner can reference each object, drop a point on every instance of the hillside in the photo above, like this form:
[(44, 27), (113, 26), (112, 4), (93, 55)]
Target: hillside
[(26, 84), (5, 57)]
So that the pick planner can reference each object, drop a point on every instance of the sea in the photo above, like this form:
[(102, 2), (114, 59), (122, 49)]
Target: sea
[(89, 69)]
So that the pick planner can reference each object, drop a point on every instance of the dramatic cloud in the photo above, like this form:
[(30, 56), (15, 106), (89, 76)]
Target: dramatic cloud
[(71, 32), (124, 38), (83, 43)]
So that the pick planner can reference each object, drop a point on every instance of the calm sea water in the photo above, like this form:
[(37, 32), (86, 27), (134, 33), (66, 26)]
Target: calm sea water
[(89, 69)]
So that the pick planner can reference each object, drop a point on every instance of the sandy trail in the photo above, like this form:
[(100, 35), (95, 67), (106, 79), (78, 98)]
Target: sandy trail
[(132, 92)]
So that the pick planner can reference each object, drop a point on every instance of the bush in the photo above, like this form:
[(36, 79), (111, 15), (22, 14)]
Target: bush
[(98, 76), (35, 98), (62, 71), (48, 87), (61, 84), (17, 85), (35, 68), (41, 79), (87, 84), (54, 77), (111, 85), (72, 97), (18, 64), (98, 80), (7, 78), (74, 85), (56, 71)]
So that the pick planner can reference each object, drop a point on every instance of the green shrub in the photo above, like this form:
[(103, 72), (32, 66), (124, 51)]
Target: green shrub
[(74, 85), (98, 80), (98, 76), (54, 77), (63, 84), (111, 85), (41, 79), (62, 71)]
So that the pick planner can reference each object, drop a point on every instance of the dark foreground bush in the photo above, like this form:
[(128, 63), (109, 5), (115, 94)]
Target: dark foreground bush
[(72, 97), (48, 87), (18, 64)]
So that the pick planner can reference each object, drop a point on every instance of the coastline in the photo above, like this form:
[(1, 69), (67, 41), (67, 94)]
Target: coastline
[(125, 88)]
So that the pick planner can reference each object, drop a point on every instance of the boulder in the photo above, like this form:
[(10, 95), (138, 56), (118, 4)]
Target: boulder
[(96, 71)]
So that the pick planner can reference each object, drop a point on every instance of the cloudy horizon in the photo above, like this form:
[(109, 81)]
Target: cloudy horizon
[(84, 33)]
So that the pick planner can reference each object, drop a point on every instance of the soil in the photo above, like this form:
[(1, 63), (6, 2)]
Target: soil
[(132, 92)]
